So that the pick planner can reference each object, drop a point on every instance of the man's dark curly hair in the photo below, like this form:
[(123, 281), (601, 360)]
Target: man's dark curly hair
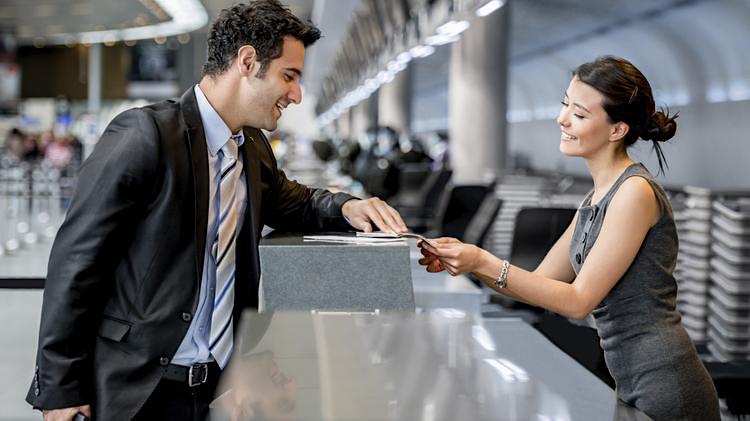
[(262, 24)]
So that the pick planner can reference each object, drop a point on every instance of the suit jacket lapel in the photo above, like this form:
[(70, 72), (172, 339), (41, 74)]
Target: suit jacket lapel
[(196, 145), (252, 178), (248, 259)]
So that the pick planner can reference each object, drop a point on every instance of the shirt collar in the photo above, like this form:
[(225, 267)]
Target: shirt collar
[(217, 132)]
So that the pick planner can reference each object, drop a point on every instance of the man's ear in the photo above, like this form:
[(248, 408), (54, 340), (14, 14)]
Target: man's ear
[(246, 62), (619, 131)]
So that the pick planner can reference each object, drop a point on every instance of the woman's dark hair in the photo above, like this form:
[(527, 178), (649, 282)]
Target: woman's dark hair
[(262, 24), (628, 98)]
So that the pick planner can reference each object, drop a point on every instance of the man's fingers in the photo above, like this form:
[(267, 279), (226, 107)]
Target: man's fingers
[(397, 218), (365, 226), (383, 218), (374, 211), (374, 216), (390, 216)]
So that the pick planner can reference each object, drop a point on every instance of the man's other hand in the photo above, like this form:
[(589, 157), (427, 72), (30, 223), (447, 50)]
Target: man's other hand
[(363, 213), (66, 414)]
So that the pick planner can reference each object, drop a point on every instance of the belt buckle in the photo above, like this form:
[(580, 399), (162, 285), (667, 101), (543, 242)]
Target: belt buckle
[(196, 379)]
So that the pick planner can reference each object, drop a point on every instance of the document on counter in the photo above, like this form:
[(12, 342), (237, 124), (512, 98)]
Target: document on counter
[(404, 235), (366, 238)]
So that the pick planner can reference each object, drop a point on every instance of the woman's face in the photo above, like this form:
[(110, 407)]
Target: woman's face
[(586, 130)]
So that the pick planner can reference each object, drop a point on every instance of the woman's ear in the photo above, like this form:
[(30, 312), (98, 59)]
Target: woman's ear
[(247, 65), (619, 131)]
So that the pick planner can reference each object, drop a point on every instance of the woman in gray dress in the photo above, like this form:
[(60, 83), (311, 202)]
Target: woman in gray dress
[(616, 258)]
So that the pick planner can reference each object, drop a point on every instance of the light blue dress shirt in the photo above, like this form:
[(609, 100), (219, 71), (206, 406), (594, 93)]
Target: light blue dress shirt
[(194, 346)]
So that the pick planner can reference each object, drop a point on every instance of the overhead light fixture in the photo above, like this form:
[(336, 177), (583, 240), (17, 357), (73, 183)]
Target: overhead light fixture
[(404, 58), (489, 7), (452, 28), (187, 16), (448, 32), (383, 77), (421, 51), (436, 40), (396, 66)]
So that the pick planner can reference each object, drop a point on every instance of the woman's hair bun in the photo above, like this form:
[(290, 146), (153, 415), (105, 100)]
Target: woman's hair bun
[(660, 127)]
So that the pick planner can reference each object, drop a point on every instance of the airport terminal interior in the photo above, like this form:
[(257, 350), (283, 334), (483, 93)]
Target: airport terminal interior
[(448, 111)]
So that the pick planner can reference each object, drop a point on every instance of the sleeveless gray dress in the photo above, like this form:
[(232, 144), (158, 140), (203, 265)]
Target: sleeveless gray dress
[(649, 354)]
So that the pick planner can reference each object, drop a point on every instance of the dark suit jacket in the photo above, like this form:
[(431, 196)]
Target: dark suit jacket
[(125, 268)]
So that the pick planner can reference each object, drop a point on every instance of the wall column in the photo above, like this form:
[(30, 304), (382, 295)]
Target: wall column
[(364, 116), (478, 98), (394, 102)]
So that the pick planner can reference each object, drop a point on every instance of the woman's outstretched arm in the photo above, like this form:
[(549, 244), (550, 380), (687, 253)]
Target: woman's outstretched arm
[(630, 215)]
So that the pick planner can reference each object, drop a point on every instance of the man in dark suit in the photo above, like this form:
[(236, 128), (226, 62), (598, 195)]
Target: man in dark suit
[(158, 253)]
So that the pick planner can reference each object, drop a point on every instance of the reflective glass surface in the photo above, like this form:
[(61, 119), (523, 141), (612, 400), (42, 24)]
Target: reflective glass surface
[(442, 365)]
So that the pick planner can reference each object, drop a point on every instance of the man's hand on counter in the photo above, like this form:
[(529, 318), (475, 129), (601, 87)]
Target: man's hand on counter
[(361, 214)]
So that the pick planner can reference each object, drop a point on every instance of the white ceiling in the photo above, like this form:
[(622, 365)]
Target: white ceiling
[(40, 18), (689, 49)]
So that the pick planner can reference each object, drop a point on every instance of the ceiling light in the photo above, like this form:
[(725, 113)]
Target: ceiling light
[(186, 16), (396, 66), (489, 7), (452, 28), (436, 40), (404, 57), (421, 51)]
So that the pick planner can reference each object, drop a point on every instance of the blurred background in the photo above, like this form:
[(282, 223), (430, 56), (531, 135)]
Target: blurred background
[(445, 108)]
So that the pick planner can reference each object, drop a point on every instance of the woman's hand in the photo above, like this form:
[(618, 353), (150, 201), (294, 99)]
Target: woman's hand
[(451, 255), (429, 260)]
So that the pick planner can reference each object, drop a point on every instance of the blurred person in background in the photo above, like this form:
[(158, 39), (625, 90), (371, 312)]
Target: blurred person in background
[(616, 258), (158, 254), (59, 153), (14, 149), (31, 150)]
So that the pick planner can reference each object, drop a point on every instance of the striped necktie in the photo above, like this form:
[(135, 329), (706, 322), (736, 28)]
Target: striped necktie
[(223, 250)]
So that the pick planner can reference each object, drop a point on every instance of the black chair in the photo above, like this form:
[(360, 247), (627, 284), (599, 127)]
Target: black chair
[(412, 178), (457, 207), (382, 179), (419, 209), (536, 231), (481, 223), (732, 380), (324, 150)]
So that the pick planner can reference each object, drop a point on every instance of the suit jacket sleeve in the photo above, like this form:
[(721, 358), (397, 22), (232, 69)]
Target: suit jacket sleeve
[(291, 206), (109, 197)]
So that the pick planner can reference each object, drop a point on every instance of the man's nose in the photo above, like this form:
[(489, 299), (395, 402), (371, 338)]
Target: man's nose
[(295, 94)]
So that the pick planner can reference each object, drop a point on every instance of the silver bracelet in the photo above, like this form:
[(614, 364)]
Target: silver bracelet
[(503, 278)]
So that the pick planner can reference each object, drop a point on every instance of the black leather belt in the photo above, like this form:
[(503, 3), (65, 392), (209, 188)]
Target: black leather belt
[(194, 375)]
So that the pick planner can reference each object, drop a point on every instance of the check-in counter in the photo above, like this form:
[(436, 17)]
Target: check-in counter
[(439, 365), (444, 291), (311, 275)]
